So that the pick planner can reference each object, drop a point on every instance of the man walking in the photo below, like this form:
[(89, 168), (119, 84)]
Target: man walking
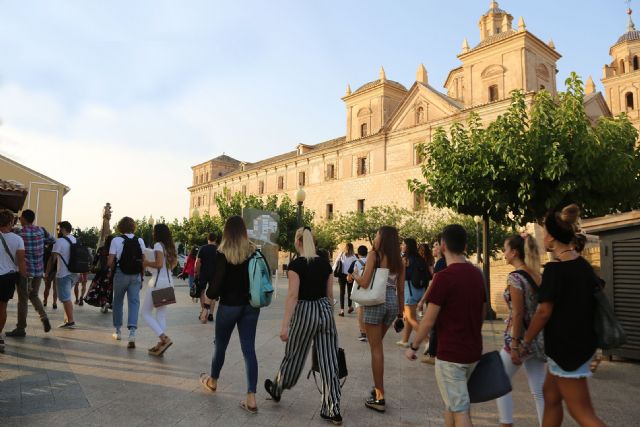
[(12, 265), (125, 258), (205, 270), (457, 301), (64, 278), (29, 286)]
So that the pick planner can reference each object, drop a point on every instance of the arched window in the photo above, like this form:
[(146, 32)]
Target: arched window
[(621, 66), (629, 100), (363, 130), (493, 93), (419, 115), (636, 65)]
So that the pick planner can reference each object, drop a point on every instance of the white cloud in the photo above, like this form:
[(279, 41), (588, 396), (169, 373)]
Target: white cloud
[(98, 152)]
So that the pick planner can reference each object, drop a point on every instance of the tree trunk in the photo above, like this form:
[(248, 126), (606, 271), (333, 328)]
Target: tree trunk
[(491, 315)]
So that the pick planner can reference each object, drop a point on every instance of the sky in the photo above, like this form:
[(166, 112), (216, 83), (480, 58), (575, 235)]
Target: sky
[(118, 99)]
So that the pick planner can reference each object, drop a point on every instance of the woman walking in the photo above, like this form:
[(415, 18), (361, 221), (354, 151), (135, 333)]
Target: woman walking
[(378, 318), (100, 292), (189, 271), (165, 259), (429, 356), (521, 296), (412, 294), (308, 318), (231, 285), (566, 312), (346, 258)]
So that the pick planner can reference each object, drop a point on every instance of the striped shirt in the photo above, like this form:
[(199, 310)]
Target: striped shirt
[(33, 237)]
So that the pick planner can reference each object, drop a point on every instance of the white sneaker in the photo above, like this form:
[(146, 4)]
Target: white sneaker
[(116, 336), (404, 344)]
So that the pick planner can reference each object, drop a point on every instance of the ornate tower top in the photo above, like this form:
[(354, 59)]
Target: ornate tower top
[(494, 21)]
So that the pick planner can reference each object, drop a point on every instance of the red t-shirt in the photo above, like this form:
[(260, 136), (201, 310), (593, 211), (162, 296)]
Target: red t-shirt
[(459, 292)]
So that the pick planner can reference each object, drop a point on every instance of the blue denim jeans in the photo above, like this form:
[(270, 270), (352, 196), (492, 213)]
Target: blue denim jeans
[(246, 317), (126, 284)]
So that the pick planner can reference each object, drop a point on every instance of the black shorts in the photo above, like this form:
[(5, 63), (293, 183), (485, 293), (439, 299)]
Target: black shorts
[(8, 286)]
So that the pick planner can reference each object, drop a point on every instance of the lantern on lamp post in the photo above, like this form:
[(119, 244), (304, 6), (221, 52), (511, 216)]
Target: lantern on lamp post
[(300, 196)]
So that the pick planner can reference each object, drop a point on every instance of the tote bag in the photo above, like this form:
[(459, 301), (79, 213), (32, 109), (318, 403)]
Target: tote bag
[(376, 293), (609, 332), (488, 380)]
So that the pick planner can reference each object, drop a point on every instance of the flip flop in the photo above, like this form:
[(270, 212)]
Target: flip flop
[(249, 409), (204, 380)]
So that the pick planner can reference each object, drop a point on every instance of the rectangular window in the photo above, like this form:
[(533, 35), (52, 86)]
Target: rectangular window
[(361, 206), (493, 93), (331, 171), (362, 166), (281, 183), (329, 211), (261, 187), (417, 156), (302, 178)]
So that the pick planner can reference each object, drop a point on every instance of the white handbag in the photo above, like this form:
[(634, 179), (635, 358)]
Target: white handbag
[(376, 293)]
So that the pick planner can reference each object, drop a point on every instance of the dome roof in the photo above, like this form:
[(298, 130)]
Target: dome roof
[(629, 36), (377, 82)]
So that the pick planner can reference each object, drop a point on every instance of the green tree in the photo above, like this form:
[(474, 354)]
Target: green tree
[(229, 205), (87, 237), (364, 225), (326, 236), (527, 162)]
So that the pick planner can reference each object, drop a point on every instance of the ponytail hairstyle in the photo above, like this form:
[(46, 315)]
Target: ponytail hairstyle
[(307, 242), (526, 247)]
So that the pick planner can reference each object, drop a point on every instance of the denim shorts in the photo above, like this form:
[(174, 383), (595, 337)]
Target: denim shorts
[(412, 295), (583, 371), (65, 284), (452, 382)]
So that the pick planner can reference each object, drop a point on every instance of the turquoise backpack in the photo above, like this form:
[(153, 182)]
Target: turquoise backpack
[(260, 287)]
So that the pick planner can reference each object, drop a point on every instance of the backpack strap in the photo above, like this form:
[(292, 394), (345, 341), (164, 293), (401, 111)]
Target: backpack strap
[(6, 248), (61, 257), (166, 264)]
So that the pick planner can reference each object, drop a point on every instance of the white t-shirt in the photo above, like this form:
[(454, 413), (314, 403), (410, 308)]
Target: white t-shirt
[(346, 262), (161, 279), (63, 248), (15, 244), (117, 244)]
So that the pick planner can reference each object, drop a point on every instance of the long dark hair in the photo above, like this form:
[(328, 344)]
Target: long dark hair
[(162, 234), (194, 252), (424, 250), (412, 247), (389, 248)]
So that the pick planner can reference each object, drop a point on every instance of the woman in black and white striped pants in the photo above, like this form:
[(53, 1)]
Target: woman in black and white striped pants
[(309, 319)]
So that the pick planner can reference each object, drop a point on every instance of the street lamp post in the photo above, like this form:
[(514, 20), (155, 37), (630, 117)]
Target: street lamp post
[(151, 222), (478, 220), (300, 196)]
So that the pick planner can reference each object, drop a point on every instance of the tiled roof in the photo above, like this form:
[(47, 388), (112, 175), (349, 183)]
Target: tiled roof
[(226, 159), (629, 36), (377, 82), (12, 186), (495, 38), (495, 10), (290, 155)]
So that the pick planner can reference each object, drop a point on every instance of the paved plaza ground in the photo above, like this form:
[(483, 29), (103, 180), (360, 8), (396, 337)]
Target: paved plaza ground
[(83, 378)]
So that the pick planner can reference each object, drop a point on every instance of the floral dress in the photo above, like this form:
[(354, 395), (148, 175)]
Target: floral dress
[(522, 281), (101, 289)]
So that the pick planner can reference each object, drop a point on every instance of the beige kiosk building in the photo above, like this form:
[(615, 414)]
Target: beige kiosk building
[(45, 195), (385, 120)]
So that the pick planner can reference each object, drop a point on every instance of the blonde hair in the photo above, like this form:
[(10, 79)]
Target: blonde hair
[(235, 244), (531, 254), (305, 237)]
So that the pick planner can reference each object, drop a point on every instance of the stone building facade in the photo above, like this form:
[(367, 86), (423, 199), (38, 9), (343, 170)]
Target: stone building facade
[(385, 121)]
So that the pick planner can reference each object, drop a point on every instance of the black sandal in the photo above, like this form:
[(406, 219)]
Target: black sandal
[(270, 387)]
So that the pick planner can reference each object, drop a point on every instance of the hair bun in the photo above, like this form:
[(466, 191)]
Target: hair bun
[(570, 214)]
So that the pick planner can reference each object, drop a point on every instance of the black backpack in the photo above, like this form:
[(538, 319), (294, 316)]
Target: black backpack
[(420, 276), (130, 261), (80, 258)]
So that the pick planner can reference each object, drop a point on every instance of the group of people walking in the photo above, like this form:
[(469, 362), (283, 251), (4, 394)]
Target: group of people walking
[(549, 328)]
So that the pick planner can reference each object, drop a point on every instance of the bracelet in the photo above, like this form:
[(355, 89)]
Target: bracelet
[(413, 349)]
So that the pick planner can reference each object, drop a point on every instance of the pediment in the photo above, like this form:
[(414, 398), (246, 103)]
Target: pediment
[(423, 104)]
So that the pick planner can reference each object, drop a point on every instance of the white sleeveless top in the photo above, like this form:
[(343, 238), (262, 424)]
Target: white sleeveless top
[(160, 278)]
